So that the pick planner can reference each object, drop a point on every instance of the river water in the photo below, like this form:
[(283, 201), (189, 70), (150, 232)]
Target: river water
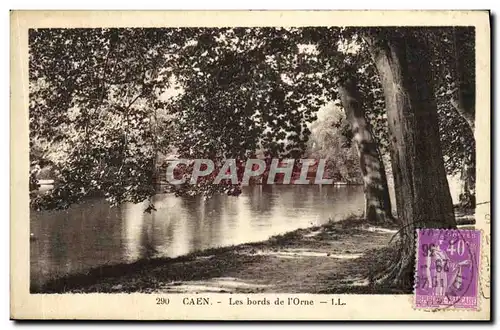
[(92, 234)]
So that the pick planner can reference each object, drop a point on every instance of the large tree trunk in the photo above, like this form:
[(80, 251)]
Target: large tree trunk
[(377, 200), (422, 194)]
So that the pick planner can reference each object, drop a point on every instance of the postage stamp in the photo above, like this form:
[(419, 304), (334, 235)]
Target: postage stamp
[(447, 268)]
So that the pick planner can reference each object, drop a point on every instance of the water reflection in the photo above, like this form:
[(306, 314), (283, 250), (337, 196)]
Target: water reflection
[(92, 233)]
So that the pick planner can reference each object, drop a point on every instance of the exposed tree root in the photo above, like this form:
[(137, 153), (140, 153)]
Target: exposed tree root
[(399, 275), (382, 220), (398, 271)]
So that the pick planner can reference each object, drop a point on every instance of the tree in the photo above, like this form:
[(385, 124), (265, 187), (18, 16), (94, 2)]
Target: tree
[(354, 81), (422, 193), (377, 201), (331, 139), (457, 63), (274, 101), (465, 105), (241, 95), (453, 66), (94, 97)]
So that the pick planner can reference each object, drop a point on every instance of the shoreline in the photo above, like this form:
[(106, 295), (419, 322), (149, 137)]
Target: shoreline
[(336, 257), (298, 261)]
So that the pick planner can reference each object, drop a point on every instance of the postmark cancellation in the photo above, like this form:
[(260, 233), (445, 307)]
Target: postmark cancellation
[(447, 269)]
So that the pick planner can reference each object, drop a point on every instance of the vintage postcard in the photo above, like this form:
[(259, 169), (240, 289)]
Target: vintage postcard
[(250, 165)]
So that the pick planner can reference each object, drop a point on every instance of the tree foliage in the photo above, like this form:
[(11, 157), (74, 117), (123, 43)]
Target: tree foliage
[(331, 139), (454, 73), (94, 98), (105, 104)]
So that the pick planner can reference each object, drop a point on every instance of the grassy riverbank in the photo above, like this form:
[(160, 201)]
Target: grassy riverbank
[(338, 257)]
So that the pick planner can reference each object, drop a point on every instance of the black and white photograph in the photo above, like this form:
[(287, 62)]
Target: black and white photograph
[(250, 160)]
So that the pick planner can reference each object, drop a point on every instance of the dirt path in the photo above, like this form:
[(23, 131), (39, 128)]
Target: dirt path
[(318, 260)]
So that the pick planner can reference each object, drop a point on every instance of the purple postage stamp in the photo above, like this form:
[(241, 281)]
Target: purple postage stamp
[(447, 268)]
